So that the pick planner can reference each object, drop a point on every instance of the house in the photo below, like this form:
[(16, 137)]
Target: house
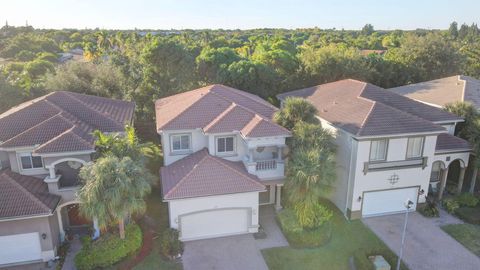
[(222, 159), (390, 148), (440, 92), (43, 144)]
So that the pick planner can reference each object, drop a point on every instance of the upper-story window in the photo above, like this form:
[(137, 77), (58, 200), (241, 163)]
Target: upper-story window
[(30, 162), (415, 147), (378, 150), (181, 142), (226, 145)]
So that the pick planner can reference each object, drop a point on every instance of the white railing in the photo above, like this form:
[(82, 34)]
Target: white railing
[(263, 165)]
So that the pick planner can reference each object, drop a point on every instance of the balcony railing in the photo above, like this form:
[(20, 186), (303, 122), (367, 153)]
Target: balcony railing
[(263, 165)]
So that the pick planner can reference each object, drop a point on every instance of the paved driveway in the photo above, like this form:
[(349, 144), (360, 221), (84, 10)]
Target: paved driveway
[(427, 246), (234, 252)]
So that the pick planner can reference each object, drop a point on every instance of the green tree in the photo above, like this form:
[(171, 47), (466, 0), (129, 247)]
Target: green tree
[(295, 110), (211, 61), (367, 29), (453, 30)]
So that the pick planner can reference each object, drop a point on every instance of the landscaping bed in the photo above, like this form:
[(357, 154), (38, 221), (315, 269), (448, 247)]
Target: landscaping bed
[(349, 239), (466, 234)]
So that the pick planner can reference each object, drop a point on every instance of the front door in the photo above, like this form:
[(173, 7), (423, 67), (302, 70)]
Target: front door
[(74, 216)]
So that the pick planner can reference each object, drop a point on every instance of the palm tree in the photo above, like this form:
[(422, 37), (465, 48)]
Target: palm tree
[(114, 188), (295, 110)]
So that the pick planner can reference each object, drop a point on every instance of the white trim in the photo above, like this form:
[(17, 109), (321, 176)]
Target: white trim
[(26, 217), (52, 165), (61, 154), (180, 151), (226, 153)]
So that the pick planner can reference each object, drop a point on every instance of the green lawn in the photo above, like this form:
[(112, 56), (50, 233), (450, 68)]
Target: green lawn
[(158, 211), (466, 234), (347, 238)]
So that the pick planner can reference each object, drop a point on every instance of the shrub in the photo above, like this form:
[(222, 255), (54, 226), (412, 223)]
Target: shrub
[(297, 236), (170, 246), (469, 214), (312, 215), (108, 249), (450, 205), (430, 209), (467, 199)]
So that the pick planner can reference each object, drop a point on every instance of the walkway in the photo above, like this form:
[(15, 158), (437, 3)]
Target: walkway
[(427, 246), (75, 246), (235, 252)]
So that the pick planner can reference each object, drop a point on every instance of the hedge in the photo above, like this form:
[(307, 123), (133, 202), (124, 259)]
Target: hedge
[(108, 249)]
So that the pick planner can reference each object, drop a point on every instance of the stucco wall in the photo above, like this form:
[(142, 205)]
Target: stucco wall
[(199, 141), (184, 206), (41, 225), (379, 180), (47, 161), (240, 146)]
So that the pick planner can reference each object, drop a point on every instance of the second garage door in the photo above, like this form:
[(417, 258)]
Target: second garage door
[(215, 223), (392, 201), (19, 248)]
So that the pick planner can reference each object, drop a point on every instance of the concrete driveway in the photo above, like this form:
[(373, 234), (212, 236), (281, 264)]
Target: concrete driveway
[(235, 252), (427, 246)]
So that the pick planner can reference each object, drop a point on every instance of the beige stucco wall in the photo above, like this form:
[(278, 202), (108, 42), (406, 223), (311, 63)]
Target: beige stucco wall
[(47, 225)]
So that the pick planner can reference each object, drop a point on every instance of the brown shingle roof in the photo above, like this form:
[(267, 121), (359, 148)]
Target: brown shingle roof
[(217, 108), (62, 121), (448, 143), (367, 110), (22, 195), (201, 174)]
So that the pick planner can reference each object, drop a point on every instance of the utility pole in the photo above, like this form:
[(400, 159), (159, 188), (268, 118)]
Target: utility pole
[(408, 205)]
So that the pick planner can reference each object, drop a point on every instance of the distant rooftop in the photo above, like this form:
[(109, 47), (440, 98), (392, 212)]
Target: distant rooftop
[(443, 91)]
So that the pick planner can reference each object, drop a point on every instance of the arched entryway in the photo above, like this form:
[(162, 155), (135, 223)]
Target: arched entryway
[(447, 177), (71, 222)]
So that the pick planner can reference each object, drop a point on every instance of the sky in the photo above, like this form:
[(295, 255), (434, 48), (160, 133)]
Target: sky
[(239, 14)]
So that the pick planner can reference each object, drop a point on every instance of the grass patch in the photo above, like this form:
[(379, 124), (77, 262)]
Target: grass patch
[(348, 239), (466, 234)]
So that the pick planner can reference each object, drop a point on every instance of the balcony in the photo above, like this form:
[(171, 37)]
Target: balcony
[(265, 162), (398, 164)]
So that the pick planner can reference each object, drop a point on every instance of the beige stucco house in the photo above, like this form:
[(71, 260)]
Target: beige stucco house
[(390, 148), (43, 145), (223, 158)]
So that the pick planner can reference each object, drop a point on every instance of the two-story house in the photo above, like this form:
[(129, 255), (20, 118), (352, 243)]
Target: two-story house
[(222, 159), (43, 145), (390, 148)]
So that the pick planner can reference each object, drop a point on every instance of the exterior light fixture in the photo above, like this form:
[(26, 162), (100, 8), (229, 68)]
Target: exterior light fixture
[(421, 192), (44, 236), (359, 198)]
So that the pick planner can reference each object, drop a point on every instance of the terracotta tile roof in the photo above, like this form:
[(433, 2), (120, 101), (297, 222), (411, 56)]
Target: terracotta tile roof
[(22, 195), (367, 110), (62, 121), (215, 109), (448, 143), (201, 174), (443, 91)]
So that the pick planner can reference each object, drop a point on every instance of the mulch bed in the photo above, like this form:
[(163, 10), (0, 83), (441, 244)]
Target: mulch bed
[(147, 246)]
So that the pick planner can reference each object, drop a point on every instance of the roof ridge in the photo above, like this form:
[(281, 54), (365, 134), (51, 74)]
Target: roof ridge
[(240, 105), (187, 107), (25, 191), (374, 103), (244, 93), (189, 173), (220, 116), (54, 138), (32, 127), (75, 98), (24, 105), (254, 121)]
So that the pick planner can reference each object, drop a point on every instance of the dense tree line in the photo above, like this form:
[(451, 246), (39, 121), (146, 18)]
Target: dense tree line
[(145, 65)]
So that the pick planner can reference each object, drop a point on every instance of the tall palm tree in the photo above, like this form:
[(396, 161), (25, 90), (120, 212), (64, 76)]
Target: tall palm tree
[(114, 188), (295, 110)]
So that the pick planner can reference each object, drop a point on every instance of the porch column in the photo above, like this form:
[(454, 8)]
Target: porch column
[(278, 205), (60, 225), (51, 171), (250, 155), (96, 229), (443, 183), (460, 180), (473, 180), (279, 151)]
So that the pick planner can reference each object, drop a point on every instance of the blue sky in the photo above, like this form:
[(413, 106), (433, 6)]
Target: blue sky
[(239, 14)]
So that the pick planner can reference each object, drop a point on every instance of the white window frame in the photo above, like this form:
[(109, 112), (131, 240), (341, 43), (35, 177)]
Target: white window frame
[(422, 143), (234, 150), (29, 154), (384, 158), (182, 150)]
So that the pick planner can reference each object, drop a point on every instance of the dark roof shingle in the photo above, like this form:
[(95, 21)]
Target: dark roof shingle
[(448, 143)]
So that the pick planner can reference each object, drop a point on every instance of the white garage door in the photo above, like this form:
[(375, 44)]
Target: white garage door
[(388, 202), (19, 248), (215, 223)]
